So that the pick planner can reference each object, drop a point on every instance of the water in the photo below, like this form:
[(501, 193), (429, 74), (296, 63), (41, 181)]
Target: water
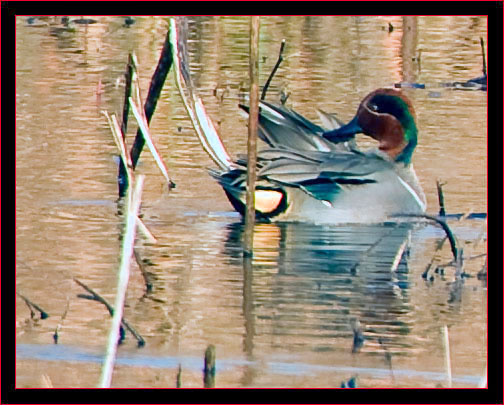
[(282, 320)]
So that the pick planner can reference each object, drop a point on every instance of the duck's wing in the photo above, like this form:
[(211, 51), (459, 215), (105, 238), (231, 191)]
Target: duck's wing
[(283, 128), (321, 175)]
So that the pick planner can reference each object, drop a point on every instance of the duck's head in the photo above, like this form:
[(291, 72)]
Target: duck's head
[(388, 116)]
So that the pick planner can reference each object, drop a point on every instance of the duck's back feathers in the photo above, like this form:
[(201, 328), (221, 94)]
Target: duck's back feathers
[(283, 128)]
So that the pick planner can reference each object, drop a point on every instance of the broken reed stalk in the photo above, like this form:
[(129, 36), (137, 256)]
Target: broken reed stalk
[(252, 135), (209, 370), (179, 377), (123, 179), (127, 95), (156, 85), (446, 345), (126, 163), (134, 199), (144, 130), (280, 60), (58, 327), (96, 297), (121, 145)]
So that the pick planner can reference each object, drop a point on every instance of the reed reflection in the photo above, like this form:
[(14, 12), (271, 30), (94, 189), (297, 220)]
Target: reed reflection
[(307, 283)]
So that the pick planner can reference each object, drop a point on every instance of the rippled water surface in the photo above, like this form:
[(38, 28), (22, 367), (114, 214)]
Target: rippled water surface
[(284, 319)]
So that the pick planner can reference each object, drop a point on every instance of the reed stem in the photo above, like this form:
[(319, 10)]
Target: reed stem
[(122, 282), (252, 135)]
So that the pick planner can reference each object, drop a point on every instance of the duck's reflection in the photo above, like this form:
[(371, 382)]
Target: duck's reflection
[(305, 283)]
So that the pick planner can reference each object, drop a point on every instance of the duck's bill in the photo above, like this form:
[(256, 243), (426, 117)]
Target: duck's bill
[(344, 133)]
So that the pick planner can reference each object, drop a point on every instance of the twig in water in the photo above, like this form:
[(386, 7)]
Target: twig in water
[(31, 305), (209, 370), (443, 224), (280, 59), (96, 297), (58, 328)]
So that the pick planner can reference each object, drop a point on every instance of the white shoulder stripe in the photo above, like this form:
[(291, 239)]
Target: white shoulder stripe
[(413, 193)]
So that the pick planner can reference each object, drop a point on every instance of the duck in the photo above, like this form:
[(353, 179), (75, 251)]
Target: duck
[(310, 173)]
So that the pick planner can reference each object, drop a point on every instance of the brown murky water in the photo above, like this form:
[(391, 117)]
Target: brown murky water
[(284, 322)]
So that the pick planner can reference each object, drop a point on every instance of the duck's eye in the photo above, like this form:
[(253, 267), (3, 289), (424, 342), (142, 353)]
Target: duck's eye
[(373, 107)]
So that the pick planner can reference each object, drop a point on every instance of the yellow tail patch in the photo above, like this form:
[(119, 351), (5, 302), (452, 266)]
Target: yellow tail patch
[(267, 201)]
